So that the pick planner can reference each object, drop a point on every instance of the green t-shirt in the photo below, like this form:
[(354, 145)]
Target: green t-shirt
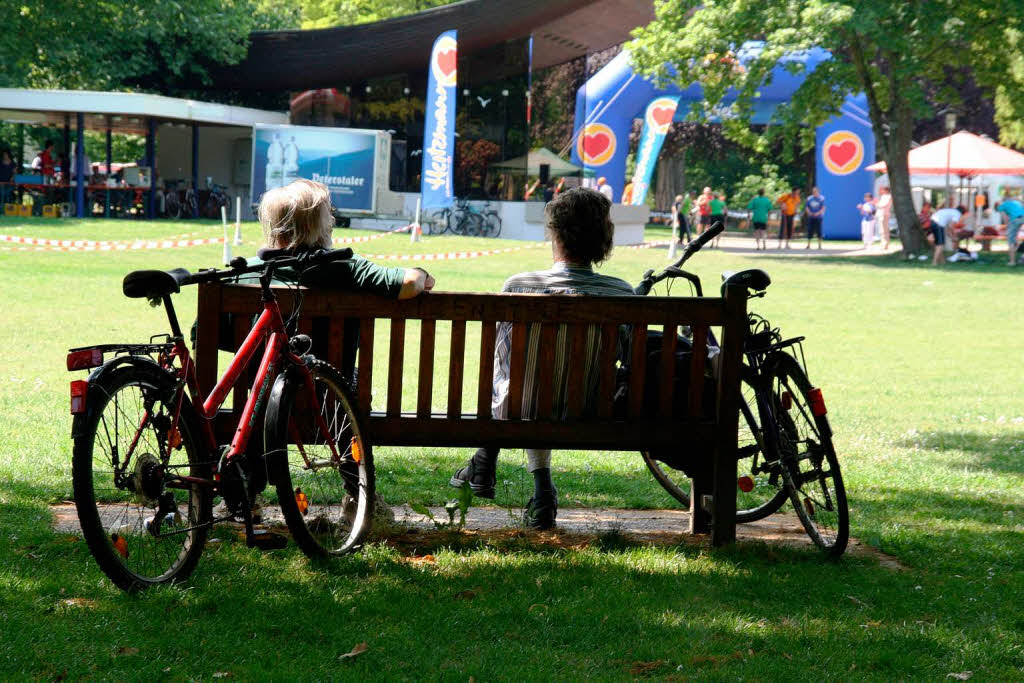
[(687, 205), (717, 207), (759, 207), (352, 275)]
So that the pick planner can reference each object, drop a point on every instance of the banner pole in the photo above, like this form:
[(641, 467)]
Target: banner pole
[(414, 235), (227, 242), (238, 220)]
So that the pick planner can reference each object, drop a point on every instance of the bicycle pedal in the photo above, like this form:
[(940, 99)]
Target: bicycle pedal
[(266, 540)]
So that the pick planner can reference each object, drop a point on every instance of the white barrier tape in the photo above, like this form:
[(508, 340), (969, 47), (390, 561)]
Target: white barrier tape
[(449, 256), (370, 238), (34, 244)]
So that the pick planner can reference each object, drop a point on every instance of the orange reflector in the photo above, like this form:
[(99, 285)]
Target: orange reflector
[(745, 483), (79, 389), (301, 501), (85, 359), (357, 450), (817, 402), (174, 438), (120, 545), (787, 400)]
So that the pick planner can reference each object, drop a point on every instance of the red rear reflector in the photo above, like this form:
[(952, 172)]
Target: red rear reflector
[(746, 484), (85, 359), (79, 388), (817, 402), (357, 450), (787, 400)]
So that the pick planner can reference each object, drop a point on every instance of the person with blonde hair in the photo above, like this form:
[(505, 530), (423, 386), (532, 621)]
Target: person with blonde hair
[(298, 217)]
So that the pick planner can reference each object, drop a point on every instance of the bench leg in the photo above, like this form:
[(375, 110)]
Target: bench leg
[(700, 518), (723, 518)]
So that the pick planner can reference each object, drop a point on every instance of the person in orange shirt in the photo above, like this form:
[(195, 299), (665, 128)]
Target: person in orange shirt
[(704, 210), (789, 204)]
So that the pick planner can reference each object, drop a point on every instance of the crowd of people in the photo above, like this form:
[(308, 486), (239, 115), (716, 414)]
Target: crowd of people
[(696, 213)]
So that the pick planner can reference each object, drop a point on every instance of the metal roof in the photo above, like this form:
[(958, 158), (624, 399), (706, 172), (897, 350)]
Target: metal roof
[(323, 58), (123, 112)]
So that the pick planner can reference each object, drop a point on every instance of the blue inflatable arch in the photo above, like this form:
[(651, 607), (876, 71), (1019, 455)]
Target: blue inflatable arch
[(607, 104)]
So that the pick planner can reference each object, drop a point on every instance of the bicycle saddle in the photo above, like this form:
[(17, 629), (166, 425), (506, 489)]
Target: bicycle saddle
[(153, 284), (753, 279)]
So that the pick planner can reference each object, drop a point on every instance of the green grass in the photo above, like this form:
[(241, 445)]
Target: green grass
[(921, 371)]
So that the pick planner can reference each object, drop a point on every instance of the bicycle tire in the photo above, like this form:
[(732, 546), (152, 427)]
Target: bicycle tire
[(339, 492), (768, 493), (474, 224), (173, 205), (117, 536), (810, 465), (493, 221)]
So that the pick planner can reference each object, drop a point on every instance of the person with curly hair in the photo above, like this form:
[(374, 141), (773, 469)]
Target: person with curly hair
[(581, 233)]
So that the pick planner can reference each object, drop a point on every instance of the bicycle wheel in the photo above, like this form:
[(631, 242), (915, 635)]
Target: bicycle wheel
[(325, 490), (493, 224), (766, 492), (124, 465), (472, 224), (810, 465), (173, 205)]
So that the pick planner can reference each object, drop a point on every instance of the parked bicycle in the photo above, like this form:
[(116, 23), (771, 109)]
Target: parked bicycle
[(147, 465), (785, 449), (466, 219), (217, 199)]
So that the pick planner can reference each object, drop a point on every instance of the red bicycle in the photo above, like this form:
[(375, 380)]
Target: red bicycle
[(147, 467)]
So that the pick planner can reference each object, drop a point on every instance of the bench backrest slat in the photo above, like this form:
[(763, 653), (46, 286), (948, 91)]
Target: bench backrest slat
[(606, 364), (546, 367), (667, 371), (695, 401), (457, 358), (578, 357), (396, 366), (517, 369), (426, 369), (364, 385), (485, 386), (637, 370)]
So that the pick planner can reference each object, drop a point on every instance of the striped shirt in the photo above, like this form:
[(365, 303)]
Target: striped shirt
[(560, 279)]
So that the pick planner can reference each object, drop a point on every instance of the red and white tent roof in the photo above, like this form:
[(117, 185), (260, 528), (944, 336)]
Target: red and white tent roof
[(964, 154)]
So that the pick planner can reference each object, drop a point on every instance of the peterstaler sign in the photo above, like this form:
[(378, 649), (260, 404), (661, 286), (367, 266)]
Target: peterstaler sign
[(343, 159)]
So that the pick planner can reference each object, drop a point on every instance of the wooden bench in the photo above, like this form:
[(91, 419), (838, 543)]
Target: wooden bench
[(466, 420)]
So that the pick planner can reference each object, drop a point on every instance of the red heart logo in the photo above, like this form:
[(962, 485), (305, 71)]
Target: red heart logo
[(595, 144), (663, 115), (841, 154), (446, 61)]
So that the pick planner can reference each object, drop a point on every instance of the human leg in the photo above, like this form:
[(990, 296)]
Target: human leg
[(883, 229), (542, 508), (1012, 230), (867, 227), (479, 472)]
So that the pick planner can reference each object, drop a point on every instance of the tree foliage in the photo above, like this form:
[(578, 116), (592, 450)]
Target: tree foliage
[(327, 13), (139, 44), (900, 54)]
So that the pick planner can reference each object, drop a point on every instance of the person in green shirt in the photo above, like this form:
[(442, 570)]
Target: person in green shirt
[(298, 217), (759, 207)]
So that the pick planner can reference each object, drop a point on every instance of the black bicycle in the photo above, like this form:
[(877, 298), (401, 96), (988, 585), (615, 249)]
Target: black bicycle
[(785, 448)]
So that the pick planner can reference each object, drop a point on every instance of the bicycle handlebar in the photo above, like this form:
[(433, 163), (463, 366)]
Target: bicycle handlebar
[(649, 279), (272, 259)]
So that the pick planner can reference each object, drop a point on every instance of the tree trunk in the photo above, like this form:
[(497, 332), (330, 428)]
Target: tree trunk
[(671, 180), (903, 203), (895, 146)]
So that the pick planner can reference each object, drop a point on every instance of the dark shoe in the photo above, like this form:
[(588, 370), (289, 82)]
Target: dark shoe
[(541, 512), (481, 483)]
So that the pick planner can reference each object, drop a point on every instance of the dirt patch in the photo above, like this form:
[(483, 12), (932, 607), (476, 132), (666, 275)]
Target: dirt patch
[(577, 528)]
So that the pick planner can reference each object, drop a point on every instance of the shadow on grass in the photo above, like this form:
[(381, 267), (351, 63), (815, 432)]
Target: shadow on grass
[(1003, 453), (521, 607)]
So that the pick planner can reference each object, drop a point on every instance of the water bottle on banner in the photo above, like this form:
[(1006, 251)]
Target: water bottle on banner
[(275, 163), (291, 162)]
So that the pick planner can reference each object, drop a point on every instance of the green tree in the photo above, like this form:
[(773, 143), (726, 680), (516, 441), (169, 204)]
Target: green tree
[(900, 54), (327, 13), (139, 44)]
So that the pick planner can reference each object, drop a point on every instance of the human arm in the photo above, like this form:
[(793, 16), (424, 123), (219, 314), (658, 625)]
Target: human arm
[(415, 282)]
